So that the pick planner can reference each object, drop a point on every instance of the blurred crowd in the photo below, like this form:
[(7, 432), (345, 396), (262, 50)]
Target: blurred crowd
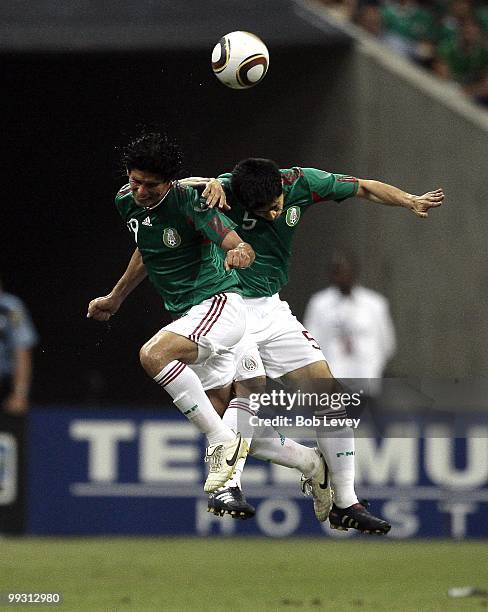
[(449, 37)]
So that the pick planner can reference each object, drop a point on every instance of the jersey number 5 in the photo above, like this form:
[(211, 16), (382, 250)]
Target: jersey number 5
[(248, 222), (311, 339)]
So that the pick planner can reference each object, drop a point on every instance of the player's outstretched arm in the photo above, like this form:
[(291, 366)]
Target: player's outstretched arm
[(102, 308), (240, 254), (212, 190), (382, 193)]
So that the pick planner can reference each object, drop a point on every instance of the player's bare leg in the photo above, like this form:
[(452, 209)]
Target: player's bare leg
[(338, 448), (220, 398), (164, 358)]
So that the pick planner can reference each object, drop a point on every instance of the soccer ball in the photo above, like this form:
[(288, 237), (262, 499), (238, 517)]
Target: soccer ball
[(240, 60)]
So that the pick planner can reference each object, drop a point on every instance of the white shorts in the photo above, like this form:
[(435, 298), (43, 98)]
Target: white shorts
[(275, 342), (216, 326)]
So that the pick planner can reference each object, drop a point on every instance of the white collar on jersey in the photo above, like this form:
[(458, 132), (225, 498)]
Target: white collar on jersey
[(161, 200)]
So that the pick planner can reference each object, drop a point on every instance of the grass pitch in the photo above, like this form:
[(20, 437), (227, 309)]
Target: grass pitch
[(229, 574)]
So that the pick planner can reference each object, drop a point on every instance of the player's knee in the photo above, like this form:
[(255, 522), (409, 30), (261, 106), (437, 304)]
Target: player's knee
[(163, 348), (145, 356), (326, 370), (321, 370), (153, 357)]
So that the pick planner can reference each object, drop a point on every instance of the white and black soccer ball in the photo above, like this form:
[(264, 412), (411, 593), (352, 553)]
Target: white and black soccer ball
[(240, 60)]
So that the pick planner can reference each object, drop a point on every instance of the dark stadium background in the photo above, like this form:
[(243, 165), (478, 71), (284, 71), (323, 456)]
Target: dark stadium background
[(78, 78), (64, 115), (77, 82)]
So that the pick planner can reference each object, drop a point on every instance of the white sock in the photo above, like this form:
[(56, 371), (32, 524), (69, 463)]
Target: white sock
[(188, 395), (338, 450), (237, 418), (269, 445)]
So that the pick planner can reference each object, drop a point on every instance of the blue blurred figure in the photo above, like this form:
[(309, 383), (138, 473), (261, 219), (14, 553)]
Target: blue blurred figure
[(18, 337)]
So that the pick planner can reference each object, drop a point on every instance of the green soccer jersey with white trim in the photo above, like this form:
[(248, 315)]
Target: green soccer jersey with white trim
[(179, 243), (272, 240)]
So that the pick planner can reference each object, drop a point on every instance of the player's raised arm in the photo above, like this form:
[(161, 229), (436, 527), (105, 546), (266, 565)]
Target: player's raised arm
[(382, 193), (102, 308), (210, 188), (218, 228), (239, 254)]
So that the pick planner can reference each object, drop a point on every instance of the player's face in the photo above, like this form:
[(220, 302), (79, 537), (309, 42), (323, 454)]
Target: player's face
[(272, 212), (147, 189)]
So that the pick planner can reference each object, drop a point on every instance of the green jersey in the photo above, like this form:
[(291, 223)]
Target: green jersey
[(272, 240), (179, 243)]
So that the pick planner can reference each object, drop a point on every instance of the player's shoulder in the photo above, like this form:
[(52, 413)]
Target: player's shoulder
[(298, 178), (371, 296), (323, 296), (290, 176), (11, 302), (181, 189), (183, 193), (123, 195), (180, 194), (123, 191), (187, 199), (225, 177)]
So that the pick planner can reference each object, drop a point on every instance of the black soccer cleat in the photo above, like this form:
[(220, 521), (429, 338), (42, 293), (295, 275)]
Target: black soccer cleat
[(230, 501), (357, 517)]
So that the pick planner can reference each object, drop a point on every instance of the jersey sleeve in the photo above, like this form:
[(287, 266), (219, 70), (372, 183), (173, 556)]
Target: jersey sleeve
[(328, 186), (121, 198), (225, 179), (213, 224)]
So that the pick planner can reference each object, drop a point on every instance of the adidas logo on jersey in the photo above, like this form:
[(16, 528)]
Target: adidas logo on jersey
[(147, 221)]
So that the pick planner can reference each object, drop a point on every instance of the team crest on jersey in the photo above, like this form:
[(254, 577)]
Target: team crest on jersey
[(249, 364), (292, 216), (171, 238)]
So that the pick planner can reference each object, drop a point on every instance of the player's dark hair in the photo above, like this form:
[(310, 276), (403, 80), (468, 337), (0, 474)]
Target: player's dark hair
[(156, 153), (256, 183)]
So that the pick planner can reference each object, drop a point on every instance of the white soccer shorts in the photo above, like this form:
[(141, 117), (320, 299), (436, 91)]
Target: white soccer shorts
[(216, 325), (275, 342)]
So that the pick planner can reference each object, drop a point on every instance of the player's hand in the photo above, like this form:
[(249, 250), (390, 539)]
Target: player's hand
[(420, 205), (240, 257), (102, 308), (215, 194)]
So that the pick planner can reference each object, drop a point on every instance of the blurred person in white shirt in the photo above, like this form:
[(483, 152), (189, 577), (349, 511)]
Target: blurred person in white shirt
[(353, 326)]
